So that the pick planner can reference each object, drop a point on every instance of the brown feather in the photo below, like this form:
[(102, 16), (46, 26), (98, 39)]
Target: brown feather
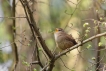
[(64, 40)]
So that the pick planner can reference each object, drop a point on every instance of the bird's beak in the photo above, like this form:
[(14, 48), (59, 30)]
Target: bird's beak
[(55, 31)]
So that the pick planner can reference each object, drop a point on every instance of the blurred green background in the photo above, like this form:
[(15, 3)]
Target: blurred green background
[(71, 15)]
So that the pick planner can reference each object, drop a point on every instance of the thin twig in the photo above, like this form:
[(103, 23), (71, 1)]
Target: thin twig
[(33, 54), (64, 64), (71, 13), (37, 50), (12, 17)]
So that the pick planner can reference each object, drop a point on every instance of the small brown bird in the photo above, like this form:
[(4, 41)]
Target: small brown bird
[(63, 40)]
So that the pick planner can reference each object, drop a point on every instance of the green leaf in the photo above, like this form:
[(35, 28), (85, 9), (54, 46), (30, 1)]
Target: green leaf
[(93, 58), (25, 63), (85, 24), (34, 69), (94, 21), (86, 35), (89, 28), (40, 49), (100, 44), (87, 31), (101, 18), (50, 31), (28, 44), (89, 46)]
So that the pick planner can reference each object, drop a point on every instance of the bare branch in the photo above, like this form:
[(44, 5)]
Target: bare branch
[(12, 17), (14, 32), (32, 23), (35, 62), (72, 13)]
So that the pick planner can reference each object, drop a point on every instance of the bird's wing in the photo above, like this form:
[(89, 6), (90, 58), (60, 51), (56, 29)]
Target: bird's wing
[(70, 38)]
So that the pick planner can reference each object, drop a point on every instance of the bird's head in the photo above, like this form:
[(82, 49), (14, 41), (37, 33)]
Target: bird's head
[(57, 30)]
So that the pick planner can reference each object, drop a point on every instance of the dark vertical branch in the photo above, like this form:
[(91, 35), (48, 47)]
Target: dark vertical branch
[(98, 52), (51, 64), (14, 32), (98, 48), (97, 67)]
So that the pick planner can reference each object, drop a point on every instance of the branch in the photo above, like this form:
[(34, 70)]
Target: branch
[(71, 13), (14, 32), (12, 17), (36, 30), (35, 62), (79, 44), (38, 56)]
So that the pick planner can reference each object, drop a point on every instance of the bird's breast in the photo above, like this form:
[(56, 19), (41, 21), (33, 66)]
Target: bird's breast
[(56, 35)]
